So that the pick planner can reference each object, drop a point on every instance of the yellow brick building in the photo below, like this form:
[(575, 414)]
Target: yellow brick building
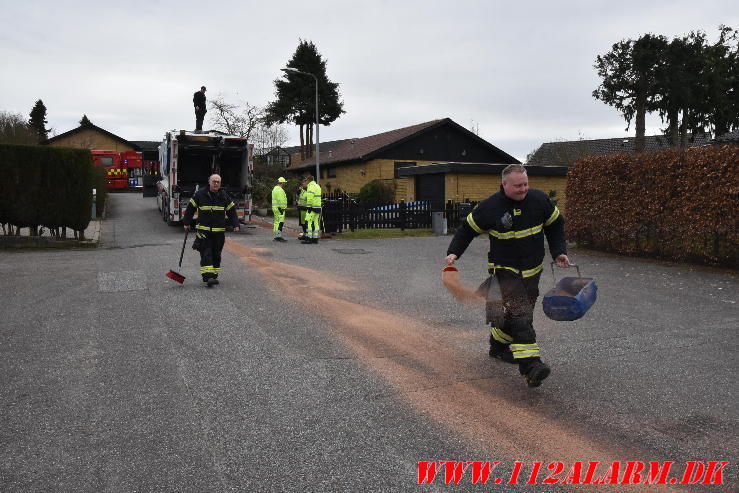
[(434, 161)]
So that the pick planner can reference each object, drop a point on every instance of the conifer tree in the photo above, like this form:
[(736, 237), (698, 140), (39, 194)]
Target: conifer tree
[(38, 120), (628, 74), (296, 95)]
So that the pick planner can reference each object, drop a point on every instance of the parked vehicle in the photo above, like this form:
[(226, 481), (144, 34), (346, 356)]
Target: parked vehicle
[(115, 174), (186, 161), (131, 161)]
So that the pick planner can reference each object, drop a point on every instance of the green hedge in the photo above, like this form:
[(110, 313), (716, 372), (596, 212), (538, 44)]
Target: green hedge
[(680, 205), (46, 186)]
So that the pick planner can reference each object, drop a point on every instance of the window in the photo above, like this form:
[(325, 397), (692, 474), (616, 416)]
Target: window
[(403, 164), (331, 172)]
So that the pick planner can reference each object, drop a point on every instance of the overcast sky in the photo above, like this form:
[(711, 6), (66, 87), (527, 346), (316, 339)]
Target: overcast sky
[(522, 72)]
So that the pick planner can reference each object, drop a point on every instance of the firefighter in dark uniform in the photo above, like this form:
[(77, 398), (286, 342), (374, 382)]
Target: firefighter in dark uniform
[(516, 220), (216, 210), (198, 100)]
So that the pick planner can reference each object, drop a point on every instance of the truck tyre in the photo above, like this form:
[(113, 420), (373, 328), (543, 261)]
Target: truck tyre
[(166, 217)]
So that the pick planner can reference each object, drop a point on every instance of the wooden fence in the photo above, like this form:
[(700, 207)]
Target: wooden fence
[(343, 212)]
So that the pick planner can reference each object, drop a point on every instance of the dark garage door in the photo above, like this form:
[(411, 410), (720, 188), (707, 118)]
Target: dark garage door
[(430, 188)]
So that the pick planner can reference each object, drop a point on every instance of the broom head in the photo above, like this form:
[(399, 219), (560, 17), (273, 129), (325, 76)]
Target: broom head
[(175, 276)]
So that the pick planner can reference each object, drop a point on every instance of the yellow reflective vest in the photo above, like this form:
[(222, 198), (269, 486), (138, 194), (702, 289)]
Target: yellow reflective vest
[(279, 198), (313, 196)]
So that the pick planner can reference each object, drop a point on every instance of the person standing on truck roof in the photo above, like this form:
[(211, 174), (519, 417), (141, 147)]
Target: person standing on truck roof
[(198, 99), (279, 205), (515, 219), (313, 216), (216, 211)]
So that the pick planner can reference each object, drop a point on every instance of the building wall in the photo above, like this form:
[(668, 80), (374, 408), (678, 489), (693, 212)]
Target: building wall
[(351, 178), (91, 139), (458, 187), (462, 187), (549, 183)]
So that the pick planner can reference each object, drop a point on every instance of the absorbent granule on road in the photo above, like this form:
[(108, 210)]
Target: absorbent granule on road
[(461, 293), (433, 375)]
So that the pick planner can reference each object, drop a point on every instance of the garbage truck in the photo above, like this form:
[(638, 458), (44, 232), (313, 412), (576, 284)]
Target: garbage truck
[(186, 161)]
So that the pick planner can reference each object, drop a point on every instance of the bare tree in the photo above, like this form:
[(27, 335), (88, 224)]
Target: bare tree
[(235, 118), (14, 129), (267, 137)]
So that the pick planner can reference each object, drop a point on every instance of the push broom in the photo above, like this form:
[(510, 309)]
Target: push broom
[(176, 276)]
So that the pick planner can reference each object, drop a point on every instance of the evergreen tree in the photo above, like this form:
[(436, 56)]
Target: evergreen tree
[(719, 106), (628, 74), (678, 86), (296, 95), (85, 122), (38, 120)]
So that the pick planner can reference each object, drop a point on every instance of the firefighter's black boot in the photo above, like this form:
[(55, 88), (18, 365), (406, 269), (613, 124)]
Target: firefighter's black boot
[(500, 351), (534, 371)]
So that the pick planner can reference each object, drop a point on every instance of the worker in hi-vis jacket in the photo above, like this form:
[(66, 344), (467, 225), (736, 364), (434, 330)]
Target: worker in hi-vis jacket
[(313, 216), (279, 205)]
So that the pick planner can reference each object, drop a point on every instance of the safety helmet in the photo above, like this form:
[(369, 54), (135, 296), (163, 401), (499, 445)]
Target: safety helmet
[(281, 180)]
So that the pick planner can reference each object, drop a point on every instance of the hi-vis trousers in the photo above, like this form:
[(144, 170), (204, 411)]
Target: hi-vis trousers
[(313, 228)]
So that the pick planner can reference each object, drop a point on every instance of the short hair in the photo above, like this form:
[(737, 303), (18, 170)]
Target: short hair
[(214, 175), (310, 177), (512, 168)]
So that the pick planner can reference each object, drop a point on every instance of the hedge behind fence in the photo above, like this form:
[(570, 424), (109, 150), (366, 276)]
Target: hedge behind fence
[(676, 204), (46, 186)]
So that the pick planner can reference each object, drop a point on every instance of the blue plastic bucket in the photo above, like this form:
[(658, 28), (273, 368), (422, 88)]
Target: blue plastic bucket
[(570, 298)]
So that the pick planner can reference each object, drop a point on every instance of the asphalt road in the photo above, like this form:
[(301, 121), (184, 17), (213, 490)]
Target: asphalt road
[(340, 366)]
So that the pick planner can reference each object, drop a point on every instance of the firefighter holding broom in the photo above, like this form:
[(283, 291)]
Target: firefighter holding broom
[(516, 220), (216, 211)]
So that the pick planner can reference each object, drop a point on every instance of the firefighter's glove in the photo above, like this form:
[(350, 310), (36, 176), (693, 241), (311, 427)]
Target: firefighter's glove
[(506, 221)]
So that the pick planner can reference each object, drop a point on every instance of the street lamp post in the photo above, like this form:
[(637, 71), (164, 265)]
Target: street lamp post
[(318, 162)]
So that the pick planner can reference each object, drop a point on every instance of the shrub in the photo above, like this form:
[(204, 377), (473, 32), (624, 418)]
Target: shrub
[(676, 204), (378, 192)]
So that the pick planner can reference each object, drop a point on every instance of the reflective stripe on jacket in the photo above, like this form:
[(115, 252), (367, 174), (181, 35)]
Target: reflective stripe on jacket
[(313, 195), (216, 210), (516, 245)]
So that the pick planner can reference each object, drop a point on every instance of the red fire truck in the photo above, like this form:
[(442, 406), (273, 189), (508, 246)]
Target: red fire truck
[(122, 168), (110, 161)]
